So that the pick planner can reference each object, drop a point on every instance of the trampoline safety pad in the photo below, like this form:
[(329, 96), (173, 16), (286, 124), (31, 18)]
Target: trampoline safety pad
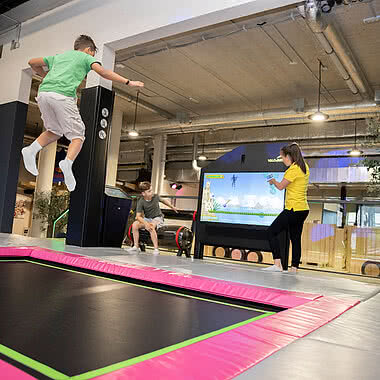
[(64, 323)]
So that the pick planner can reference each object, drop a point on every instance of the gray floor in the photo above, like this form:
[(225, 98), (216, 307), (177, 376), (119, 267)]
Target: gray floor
[(346, 348)]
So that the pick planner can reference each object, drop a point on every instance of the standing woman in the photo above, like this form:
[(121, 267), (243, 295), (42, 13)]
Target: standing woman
[(292, 218)]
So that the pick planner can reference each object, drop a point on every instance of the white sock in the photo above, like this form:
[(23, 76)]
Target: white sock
[(29, 154), (35, 147), (66, 167)]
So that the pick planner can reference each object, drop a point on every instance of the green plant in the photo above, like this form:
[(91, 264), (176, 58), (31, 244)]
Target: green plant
[(373, 165), (49, 206)]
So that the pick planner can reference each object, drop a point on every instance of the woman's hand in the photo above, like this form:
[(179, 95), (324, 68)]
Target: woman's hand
[(272, 181)]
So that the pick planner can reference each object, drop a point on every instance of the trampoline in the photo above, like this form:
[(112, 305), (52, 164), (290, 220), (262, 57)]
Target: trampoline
[(68, 316)]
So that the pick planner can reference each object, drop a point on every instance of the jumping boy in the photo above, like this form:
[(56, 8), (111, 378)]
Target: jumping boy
[(57, 101), (148, 216)]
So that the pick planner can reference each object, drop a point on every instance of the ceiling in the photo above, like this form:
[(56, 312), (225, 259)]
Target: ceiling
[(249, 64), (7, 5), (14, 12)]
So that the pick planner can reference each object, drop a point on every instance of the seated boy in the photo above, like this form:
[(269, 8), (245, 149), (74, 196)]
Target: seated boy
[(148, 216)]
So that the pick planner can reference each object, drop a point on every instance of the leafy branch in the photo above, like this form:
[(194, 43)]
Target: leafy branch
[(373, 165), (49, 206)]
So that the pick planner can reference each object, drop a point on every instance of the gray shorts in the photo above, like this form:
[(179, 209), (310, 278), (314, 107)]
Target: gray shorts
[(60, 115), (159, 221)]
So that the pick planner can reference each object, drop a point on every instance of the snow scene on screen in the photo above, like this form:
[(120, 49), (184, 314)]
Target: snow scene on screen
[(241, 198)]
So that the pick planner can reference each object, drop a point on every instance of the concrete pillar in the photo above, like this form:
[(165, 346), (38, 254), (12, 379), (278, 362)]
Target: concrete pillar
[(14, 99), (114, 145), (106, 56), (159, 160), (44, 183)]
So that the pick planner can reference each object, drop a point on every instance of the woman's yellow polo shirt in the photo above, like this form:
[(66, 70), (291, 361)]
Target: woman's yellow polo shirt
[(296, 192)]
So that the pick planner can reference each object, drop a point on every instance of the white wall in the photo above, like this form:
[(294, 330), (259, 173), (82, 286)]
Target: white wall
[(119, 23), (22, 221), (315, 213)]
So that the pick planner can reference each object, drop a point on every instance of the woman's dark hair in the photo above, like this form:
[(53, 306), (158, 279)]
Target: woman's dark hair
[(294, 152)]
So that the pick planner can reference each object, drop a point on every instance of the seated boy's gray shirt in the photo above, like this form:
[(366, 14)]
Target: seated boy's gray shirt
[(150, 209)]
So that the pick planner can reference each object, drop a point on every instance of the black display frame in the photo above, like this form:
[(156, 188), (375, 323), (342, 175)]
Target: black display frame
[(248, 158)]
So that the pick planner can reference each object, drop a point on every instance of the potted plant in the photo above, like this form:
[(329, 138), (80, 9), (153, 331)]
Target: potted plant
[(49, 206)]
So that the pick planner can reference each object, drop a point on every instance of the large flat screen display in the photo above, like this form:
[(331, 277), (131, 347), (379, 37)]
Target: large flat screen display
[(241, 198)]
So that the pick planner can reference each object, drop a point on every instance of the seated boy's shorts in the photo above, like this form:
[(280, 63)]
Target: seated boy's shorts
[(60, 115), (158, 221)]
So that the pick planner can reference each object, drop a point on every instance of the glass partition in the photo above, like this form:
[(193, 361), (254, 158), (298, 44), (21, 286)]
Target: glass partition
[(339, 236)]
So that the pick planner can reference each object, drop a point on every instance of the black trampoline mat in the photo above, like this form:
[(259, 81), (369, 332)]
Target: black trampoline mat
[(73, 322)]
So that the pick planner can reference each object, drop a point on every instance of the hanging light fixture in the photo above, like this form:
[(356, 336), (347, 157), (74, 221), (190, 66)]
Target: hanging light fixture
[(319, 116), (133, 132), (355, 152), (203, 157)]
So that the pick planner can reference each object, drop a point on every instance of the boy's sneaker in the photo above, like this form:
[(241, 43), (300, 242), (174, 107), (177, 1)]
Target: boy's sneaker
[(133, 250), (156, 252)]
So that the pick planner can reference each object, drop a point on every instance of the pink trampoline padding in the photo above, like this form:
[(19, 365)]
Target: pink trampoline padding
[(221, 357), (225, 355), (16, 251), (302, 320), (9, 372), (49, 255), (258, 294)]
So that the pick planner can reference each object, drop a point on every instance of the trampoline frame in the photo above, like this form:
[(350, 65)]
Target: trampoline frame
[(225, 354)]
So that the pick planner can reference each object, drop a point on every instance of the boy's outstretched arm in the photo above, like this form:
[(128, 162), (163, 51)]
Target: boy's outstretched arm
[(110, 75), (167, 203), (37, 65)]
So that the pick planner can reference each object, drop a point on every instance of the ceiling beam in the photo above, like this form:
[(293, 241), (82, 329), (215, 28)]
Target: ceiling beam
[(144, 104)]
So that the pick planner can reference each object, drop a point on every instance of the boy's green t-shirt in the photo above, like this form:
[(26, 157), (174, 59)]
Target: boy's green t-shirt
[(66, 72)]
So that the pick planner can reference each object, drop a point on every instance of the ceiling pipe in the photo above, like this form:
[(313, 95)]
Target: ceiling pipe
[(260, 118), (251, 125), (337, 49), (317, 144), (344, 52)]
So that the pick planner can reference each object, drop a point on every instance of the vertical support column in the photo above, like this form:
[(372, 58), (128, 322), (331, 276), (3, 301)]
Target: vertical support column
[(44, 183), (12, 121), (114, 145), (159, 160), (342, 212), (107, 57), (87, 201)]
